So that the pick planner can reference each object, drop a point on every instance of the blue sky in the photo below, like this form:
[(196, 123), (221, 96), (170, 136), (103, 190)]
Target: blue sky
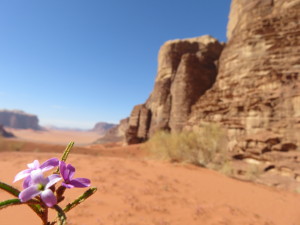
[(77, 62)]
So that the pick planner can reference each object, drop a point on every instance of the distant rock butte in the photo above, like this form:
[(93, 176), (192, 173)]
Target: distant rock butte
[(102, 127), (19, 120), (251, 88), (114, 134)]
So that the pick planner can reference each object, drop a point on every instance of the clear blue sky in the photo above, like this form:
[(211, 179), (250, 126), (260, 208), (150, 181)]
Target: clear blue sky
[(77, 62)]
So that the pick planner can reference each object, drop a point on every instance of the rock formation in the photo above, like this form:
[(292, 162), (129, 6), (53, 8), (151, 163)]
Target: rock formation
[(115, 134), (186, 69), (4, 133), (257, 89), (256, 96), (19, 120), (102, 127), (254, 93)]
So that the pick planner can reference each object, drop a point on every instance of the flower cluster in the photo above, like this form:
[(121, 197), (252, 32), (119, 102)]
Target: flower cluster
[(36, 184)]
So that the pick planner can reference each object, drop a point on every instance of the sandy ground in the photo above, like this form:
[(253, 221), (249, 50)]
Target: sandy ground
[(140, 191), (55, 136), (134, 190)]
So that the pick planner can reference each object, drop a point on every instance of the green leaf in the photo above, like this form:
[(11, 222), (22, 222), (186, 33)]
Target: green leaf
[(15, 192), (10, 202), (81, 199)]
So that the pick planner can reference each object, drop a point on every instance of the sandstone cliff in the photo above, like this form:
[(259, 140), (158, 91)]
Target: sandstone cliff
[(254, 93), (19, 120), (186, 69), (256, 96), (257, 89)]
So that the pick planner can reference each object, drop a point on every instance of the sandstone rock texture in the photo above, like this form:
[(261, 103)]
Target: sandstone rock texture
[(256, 96), (186, 69), (257, 88), (19, 120), (102, 127), (254, 92)]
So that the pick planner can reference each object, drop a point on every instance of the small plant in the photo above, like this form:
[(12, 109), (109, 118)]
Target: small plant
[(203, 146), (40, 192)]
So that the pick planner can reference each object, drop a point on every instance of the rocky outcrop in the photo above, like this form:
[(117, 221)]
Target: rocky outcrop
[(4, 133), (19, 120), (102, 127), (115, 134), (256, 96), (254, 93), (257, 89), (186, 69)]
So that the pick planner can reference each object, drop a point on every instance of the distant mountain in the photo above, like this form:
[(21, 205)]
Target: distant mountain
[(103, 127), (19, 120)]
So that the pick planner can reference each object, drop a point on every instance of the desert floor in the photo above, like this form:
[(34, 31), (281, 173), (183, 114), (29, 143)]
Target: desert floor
[(55, 136), (135, 190)]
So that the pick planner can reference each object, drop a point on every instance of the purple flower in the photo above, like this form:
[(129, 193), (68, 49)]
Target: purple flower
[(48, 165), (67, 172), (40, 186)]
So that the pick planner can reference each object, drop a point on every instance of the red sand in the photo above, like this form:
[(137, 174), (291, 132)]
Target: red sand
[(139, 191), (133, 190), (55, 136)]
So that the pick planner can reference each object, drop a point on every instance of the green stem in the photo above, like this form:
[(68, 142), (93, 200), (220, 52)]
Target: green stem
[(60, 215), (80, 199), (34, 205), (65, 154), (11, 190), (15, 201), (67, 151)]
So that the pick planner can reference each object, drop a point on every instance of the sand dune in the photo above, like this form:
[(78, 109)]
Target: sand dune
[(138, 191)]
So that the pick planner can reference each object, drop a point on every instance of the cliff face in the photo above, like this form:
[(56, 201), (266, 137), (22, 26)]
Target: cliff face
[(254, 93), (19, 119), (257, 89), (256, 96), (186, 69), (257, 86)]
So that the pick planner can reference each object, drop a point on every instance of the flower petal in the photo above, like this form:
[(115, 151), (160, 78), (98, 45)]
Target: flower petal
[(67, 185), (49, 164), (22, 174), (71, 171), (29, 193), (27, 182), (54, 178), (38, 178), (62, 168), (34, 165), (80, 182), (48, 198)]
